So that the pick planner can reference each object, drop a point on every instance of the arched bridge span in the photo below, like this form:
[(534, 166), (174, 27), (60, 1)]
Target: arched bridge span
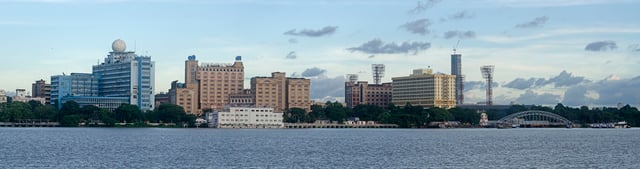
[(534, 118)]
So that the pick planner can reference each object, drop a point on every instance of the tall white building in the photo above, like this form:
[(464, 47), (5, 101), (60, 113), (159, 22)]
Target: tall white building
[(125, 74), (244, 117)]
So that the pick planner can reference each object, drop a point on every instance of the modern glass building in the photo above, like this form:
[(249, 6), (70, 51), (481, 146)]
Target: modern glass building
[(123, 77), (74, 85), (456, 69), (125, 74)]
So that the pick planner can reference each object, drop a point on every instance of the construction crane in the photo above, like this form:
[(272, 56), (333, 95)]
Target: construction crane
[(454, 47)]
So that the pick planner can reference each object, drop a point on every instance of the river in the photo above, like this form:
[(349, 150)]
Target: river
[(318, 148)]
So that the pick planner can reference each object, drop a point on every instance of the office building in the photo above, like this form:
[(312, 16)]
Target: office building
[(41, 89), (281, 93), (161, 98), (185, 97), (456, 69), (214, 81), (83, 89), (244, 117), (424, 88), (125, 74), (363, 93)]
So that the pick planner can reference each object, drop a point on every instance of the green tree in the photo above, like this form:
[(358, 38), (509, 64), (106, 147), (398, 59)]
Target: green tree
[(68, 108), (17, 111), (128, 113), (336, 112), (296, 115), (70, 120), (170, 113), (45, 112)]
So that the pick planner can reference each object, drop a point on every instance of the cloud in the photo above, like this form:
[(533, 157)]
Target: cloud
[(609, 91), (459, 34), (313, 72), (458, 16), (327, 30), (325, 87), (292, 40), (376, 46), (531, 97), (634, 47), (521, 83), (420, 26), (601, 46), (564, 79), (291, 55), (537, 22), (471, 85), (423, 6), (371, 56)]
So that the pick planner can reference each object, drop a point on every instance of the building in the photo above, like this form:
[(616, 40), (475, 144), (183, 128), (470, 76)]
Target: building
[(161, 98), (456, 69), (21, 96), (125, 74), (242, 99), (70, 86), (363, 93), (214, 82), (281, 93), (83, 89), (3, 96), (42, 90), (424, 88), (243, 117), (185, 97)]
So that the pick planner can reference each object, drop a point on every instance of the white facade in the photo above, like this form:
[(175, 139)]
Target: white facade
[(244, 117)]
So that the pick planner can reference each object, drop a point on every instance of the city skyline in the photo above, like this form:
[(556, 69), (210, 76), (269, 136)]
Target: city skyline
[(544, 52)]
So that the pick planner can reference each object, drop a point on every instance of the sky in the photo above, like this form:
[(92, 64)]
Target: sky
[(575, 52)]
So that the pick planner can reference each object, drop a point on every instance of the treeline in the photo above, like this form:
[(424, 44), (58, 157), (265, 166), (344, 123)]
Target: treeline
[(71, 114), (409, 116)]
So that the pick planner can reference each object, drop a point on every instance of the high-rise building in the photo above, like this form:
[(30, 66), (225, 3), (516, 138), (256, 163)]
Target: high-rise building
[(456, 69), (180, 95), (357, 93), (123, 78), (125, 74), (214, 82), (42, 90), (424, 88), (281, 93)]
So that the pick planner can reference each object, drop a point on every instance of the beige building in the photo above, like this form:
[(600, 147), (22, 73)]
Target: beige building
[(424, 88), (281, 93), (361, 92), (42, 90), (216, 82), (181, 95)]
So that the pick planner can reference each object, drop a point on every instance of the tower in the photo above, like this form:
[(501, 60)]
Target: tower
[(487, 74), (456, 69), (378, 72)]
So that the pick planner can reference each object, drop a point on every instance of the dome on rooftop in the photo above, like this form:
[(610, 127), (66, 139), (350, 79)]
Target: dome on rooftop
[(118, 46)]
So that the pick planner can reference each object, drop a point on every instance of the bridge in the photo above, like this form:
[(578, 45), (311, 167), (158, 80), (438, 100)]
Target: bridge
[(534, 118)]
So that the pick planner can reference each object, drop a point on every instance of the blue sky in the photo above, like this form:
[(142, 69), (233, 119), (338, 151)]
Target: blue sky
[(584, 52)]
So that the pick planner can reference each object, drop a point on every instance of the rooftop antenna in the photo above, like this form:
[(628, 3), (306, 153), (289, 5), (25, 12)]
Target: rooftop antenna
[(135, 45)]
